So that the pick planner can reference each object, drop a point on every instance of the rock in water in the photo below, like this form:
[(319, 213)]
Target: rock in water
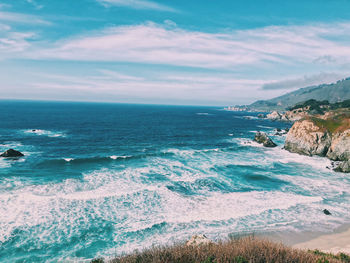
[(262, 138), (198, 240), (343, 167), (326, 212), (11, 153), (261, 116)]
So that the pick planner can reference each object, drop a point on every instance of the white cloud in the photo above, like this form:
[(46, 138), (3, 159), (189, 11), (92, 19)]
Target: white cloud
[(35, 4), (20, 18), (152, 43), (137, 4), (216, 89), (12, 42), (304, 81), (228, 65)]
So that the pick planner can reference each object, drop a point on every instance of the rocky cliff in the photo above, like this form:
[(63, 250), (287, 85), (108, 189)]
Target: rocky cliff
[(324, 135), (307, 138)]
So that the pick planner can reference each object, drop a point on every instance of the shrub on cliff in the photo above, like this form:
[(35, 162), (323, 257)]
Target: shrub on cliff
[(242, 250)]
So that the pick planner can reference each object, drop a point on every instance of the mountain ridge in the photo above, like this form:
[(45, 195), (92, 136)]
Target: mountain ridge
[(334, 92)]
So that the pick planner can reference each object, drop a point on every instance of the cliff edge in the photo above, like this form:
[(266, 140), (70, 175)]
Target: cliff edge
[(325, 135)]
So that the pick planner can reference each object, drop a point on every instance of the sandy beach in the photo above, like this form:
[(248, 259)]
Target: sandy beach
[(333, 243)]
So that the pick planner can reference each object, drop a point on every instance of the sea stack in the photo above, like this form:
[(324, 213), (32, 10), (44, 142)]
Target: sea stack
[(262, 138)]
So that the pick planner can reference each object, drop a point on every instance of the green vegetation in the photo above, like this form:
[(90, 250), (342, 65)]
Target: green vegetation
[(338, 105), (241, 250), (314, 106), (325, 256), (331, 125), (320, 107)]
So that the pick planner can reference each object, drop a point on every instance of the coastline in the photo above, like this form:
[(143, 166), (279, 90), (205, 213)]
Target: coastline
[(336, 242)]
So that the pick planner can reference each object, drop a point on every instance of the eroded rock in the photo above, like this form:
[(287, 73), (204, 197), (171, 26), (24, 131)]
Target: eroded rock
[(307, 138), (262, 138)]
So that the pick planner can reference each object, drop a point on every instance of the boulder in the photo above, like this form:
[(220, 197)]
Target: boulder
[(262, 138), (307, 138), (11, 153), (340, 147), (343, 167), (198, 240), (274, 116), (326, 212)]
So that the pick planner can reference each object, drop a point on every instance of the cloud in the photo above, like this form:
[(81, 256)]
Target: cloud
[(138, 4), (304, 81), (35, 4), (237, 66), (164, 44), (111, 85), (12, 42), (20, 18)]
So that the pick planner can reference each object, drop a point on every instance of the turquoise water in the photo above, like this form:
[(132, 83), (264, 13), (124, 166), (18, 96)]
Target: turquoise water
[(104, 179)]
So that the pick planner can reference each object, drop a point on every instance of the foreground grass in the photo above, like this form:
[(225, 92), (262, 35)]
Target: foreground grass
[(242, 250)]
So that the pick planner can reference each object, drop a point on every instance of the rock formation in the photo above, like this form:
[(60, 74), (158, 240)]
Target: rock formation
[(325, 135), (11, 153), (340, 147), (275, 116), (343, 167), (198, 240), (308, 139), (262, 138)]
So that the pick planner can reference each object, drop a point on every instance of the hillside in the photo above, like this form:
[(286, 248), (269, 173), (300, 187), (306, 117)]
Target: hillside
[(334, 92)]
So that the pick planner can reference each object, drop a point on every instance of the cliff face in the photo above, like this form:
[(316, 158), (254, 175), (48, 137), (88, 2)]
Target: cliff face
[(307, 138), (327, 135), (340, 147)]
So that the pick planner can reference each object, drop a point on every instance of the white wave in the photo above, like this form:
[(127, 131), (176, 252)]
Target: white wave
[(11, 145), (130, 200), (47, 133), (283, 156), (248, 142), (183, 152), (219, 207), (68, 159), (115, 157), (4, 163), (203, 113), (265, 127)]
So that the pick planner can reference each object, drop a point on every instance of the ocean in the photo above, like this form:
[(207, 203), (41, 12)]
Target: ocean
[(105, 179)]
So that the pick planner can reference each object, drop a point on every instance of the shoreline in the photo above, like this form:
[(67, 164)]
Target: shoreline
[(337, 241)]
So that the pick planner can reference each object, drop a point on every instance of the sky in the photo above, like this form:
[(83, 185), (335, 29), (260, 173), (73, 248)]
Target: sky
[(183, 52)]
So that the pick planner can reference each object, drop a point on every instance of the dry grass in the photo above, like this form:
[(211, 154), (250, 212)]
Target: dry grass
[(334, 121), (243, 250)]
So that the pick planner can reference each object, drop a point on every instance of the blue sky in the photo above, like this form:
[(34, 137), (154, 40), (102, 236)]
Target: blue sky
[(170, 52)]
